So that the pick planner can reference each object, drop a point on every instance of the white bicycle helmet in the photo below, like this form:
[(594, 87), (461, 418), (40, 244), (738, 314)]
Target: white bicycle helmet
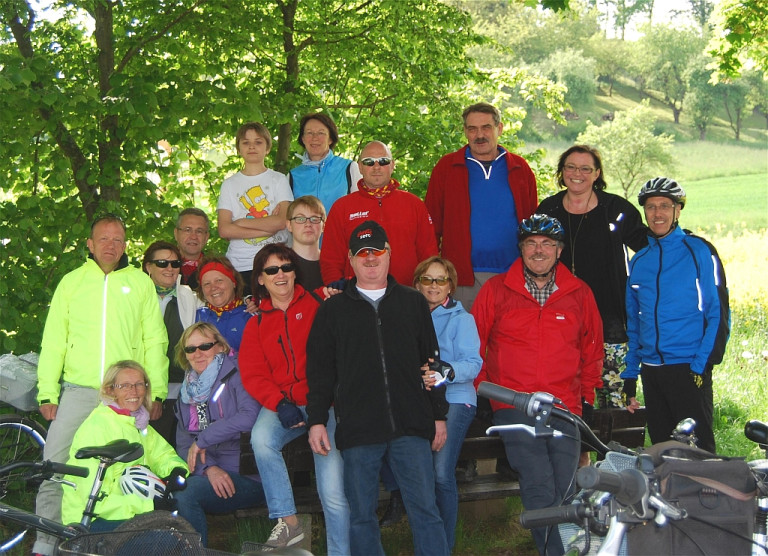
[(140, 481), (662, 187)]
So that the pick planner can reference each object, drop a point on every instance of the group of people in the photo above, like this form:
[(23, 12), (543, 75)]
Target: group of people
[(372, 342)]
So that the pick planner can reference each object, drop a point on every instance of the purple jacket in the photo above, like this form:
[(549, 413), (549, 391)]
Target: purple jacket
[(233, 411)]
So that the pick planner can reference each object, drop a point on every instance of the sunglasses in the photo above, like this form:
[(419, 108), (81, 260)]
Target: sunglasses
[(383, 161), (163, 263), (365, 251), (272, 270), (202, 347), (428, 280)]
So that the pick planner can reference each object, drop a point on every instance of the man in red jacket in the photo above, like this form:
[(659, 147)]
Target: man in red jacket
[(378, 198), (476, 197), (540, 330)]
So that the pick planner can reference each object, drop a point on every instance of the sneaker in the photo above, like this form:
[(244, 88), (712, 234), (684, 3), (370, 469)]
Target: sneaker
[(285, 535)]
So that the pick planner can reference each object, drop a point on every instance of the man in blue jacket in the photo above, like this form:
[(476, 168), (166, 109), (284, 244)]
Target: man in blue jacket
[(673, 319)]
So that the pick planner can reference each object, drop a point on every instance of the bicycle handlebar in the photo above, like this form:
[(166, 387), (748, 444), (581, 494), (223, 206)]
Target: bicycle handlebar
[(45, 468), (573, 513), (65, 469), (531, 405), (628, 486)]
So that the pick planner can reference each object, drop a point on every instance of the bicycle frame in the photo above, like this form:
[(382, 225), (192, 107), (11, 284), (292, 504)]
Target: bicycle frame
[(117, 451)]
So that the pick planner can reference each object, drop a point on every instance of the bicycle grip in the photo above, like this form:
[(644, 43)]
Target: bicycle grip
[(65, 469), (573, 513), (628, 486), (502, 394)]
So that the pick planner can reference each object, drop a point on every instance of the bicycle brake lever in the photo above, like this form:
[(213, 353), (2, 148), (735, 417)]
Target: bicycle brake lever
[(63, 482)]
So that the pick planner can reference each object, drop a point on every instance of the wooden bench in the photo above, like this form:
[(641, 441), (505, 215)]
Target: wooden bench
[(610, 424)]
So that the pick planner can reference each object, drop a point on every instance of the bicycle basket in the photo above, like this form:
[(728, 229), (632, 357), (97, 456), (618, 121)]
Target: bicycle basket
[(18, 381), (147, 542)]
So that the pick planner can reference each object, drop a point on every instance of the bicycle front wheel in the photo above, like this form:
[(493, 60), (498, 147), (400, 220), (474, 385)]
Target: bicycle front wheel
[(21, 439)]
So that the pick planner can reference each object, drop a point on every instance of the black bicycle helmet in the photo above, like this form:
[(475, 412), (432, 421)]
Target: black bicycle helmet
[(662, 187), (541, 225)]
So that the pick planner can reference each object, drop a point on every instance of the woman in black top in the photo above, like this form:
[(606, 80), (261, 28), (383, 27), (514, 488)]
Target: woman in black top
[(599, 227)]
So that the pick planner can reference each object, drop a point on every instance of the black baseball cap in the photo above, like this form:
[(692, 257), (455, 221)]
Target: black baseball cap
[(368, 235)]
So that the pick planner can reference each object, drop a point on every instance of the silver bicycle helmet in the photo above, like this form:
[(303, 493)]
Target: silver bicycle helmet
[(541, 225), (140, 481), (662, 187)]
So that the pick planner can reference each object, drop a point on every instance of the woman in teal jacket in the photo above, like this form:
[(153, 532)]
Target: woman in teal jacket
[(322, 173), (124, 413)]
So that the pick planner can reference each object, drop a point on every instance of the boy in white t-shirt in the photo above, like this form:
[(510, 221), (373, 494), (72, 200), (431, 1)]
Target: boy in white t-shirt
[(252, 202)]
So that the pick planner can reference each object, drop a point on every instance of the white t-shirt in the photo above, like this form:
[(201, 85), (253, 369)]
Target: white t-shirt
[(253, 197)]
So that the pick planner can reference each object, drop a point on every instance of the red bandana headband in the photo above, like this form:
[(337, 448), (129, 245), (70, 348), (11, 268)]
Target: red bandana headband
[(217, 266)]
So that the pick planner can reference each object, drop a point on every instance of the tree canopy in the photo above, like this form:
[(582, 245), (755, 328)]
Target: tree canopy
[(132, 107)]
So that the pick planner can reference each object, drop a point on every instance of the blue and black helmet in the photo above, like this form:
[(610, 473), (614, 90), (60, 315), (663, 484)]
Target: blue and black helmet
[(662, 187), (541, 225)]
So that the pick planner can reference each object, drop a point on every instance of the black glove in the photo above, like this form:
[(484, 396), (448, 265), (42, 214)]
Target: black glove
[(339, 284), (443, 368), (289, 414), (630, 388), (176, 480), (587, 412)]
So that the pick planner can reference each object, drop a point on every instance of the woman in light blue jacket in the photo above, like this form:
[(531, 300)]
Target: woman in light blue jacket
[(459, 364), (322, 173)]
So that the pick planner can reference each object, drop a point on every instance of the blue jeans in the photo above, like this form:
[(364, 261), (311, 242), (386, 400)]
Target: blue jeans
[(410, 458), (268, 438), (199, 498), (546, 467), (460, 416)]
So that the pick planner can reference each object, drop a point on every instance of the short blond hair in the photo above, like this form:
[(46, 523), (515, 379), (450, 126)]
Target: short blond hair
[(205, 328), (450, 270), (107, 386)]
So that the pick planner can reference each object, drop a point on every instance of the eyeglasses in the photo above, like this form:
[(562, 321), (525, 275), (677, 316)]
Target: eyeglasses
[(663, 207), (365, 251), (163, 263), (383, 161), (272, 270), (202, 347), (428, 280), (138, 387), (531, 245), (190, 230), (586, 170), (303, 219), (314, 134)]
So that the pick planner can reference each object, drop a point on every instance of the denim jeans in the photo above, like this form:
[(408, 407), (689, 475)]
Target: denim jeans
[(460, 416), (410, 458), (546, 467), (268, 438), (199, 498)]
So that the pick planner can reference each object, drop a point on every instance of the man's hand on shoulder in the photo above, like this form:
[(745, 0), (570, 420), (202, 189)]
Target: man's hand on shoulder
[(48, 411)]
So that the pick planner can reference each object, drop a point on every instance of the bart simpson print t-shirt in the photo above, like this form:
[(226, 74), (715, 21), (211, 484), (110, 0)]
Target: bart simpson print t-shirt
[(253, 197)]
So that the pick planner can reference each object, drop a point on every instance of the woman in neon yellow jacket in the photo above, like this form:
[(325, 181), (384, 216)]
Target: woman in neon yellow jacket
[(124, 413)]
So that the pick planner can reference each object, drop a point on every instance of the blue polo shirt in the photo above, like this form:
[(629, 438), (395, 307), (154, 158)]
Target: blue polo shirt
[(493, 216)]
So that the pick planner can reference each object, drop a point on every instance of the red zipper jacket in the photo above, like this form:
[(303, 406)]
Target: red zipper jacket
[(448, 203), (555, 348), (273, 356)]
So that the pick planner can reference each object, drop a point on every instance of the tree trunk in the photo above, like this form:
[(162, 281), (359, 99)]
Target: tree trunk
[(288, 10), (108, 142), (676, 114), (64, 139)]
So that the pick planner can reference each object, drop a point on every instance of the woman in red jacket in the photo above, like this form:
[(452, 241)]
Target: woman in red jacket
[(273, 368)]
